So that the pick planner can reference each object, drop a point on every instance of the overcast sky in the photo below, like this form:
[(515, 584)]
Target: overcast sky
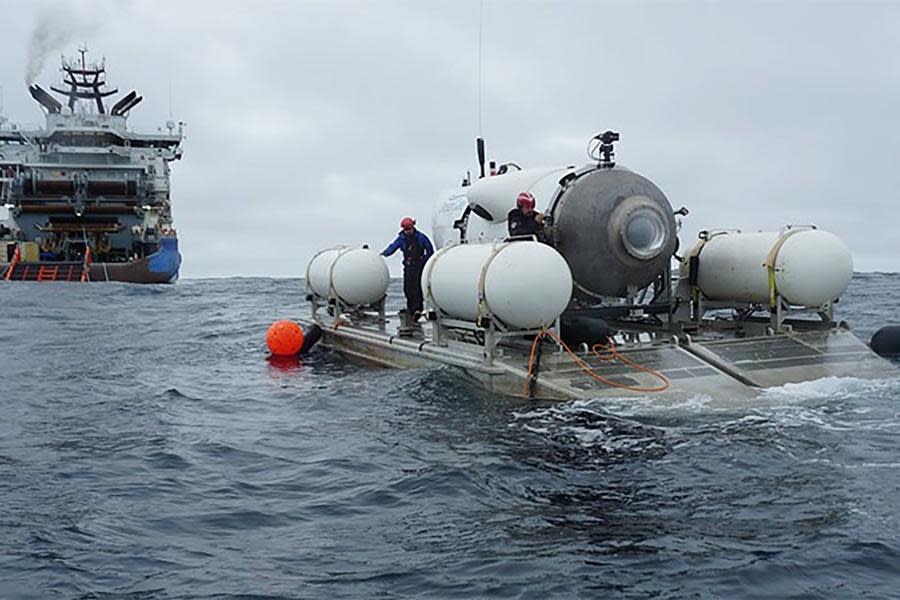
[(315, 123)]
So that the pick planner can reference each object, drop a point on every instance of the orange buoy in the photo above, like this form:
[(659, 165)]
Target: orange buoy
[(284, 338)]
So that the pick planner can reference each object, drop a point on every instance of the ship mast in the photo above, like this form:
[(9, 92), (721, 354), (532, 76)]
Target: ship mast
[(85, 82)]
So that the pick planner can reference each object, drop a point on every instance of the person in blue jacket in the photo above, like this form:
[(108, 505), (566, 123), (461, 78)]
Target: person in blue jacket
[(416, 249)]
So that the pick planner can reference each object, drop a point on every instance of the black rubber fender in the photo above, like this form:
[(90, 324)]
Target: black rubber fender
[(310, 337), (584, 329), (886, 341)]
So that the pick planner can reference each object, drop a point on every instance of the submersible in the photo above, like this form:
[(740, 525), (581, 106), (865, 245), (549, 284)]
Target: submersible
[(594, 307)]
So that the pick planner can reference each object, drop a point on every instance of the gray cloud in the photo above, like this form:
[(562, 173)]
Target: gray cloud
[(316, 123)]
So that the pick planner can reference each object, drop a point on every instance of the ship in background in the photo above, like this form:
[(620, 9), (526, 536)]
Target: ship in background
[(88, 199)]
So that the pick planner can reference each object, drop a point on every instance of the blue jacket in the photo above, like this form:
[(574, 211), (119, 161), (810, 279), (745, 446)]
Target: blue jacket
[(403, 243)]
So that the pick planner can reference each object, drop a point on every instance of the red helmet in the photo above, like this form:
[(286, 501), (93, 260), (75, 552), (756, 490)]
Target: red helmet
[(525, 199), (407, 222)]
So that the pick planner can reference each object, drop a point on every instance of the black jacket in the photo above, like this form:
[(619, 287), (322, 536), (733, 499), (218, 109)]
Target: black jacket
[(518, 223)]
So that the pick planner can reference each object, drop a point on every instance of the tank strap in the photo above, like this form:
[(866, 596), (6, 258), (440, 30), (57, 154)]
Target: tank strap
[(694, 253), (332, 293), (772, 258), (316, 255), (482, 301), (341, 251)]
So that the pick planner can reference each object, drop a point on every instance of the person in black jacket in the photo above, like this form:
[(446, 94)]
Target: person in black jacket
[(524, 220), (416, 249)]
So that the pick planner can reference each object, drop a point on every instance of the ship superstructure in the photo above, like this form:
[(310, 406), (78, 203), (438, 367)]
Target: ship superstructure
[(88, 199)]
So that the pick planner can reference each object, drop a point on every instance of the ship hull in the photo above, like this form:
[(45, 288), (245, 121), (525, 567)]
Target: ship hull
[(160, 267)]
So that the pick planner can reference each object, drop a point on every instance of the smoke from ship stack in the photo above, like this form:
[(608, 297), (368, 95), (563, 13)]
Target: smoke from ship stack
[(56, 27)]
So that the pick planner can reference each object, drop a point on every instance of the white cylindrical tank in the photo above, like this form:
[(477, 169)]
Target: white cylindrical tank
[(318, 271), (523, 284), (811, 267), (357, 276)]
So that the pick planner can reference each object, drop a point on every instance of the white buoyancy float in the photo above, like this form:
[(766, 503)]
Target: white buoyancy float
[(806, 267), (357, 276), (523, 284)]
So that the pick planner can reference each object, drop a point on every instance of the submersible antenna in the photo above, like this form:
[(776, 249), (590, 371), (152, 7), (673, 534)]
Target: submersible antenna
[(480, 78), (479, 142)]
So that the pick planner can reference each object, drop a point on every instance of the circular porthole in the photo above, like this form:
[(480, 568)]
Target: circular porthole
[(644, 233)]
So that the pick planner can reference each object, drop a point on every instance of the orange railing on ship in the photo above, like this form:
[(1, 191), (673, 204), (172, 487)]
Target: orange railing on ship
[(86, 268), (12, 266)]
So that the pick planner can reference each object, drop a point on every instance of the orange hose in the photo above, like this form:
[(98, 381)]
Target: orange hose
[(612, 354), (534, 346)]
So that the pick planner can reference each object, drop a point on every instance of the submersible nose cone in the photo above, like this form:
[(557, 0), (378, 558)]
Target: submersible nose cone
[(886, 341)]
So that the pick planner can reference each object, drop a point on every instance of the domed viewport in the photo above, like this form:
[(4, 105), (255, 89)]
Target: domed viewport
[(644, 234)]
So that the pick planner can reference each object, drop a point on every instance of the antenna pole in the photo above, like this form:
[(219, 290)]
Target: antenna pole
[(480, 81)]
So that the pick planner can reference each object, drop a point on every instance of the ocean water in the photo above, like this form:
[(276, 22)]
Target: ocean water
[(149, 450)]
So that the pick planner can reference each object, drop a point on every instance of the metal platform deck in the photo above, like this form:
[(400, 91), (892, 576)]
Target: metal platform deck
[(725, 371)]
